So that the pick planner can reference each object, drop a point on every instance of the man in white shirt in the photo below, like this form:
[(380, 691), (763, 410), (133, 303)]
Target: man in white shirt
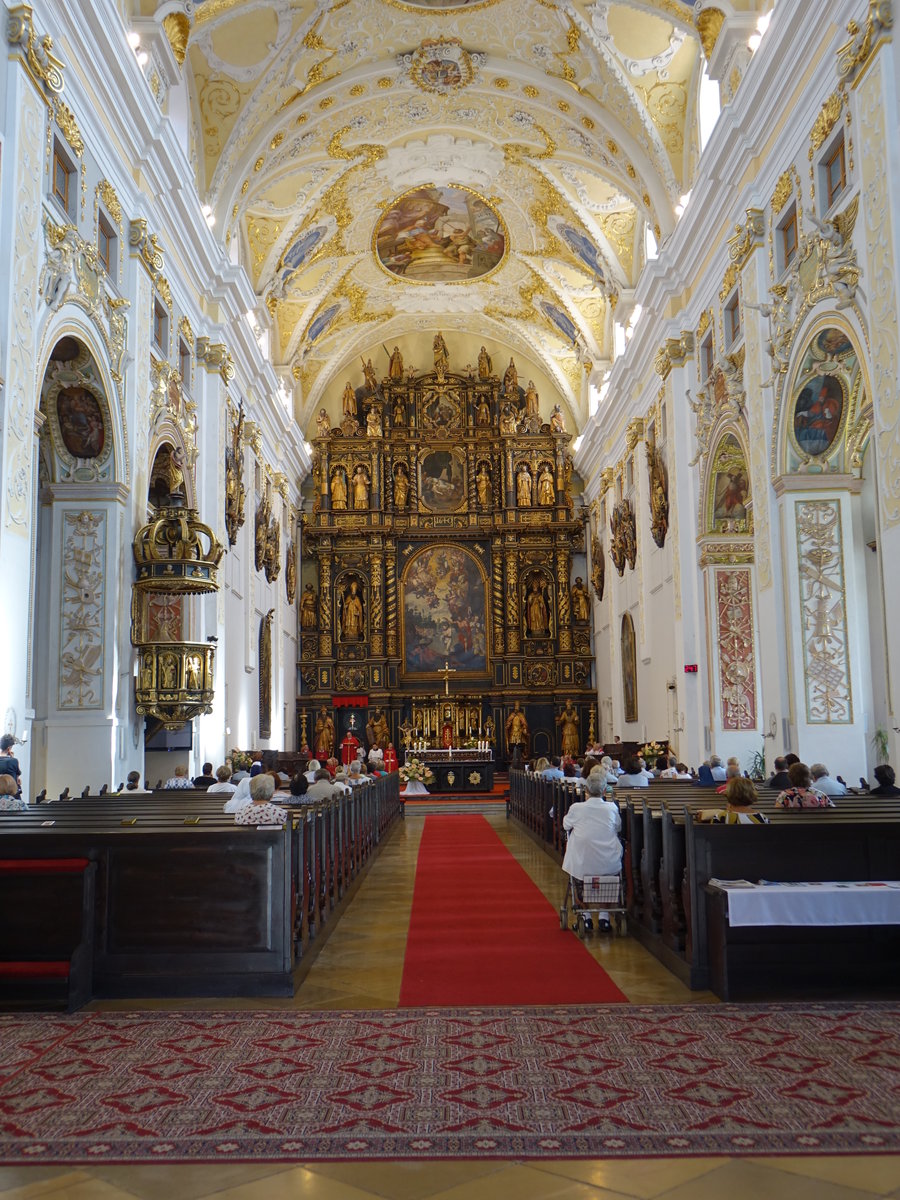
[(322, 788), (822, 781), (593, 846), (223, 785)]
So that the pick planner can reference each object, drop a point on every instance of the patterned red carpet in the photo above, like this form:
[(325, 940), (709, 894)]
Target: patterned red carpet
[(481, 932), (612, 1081)]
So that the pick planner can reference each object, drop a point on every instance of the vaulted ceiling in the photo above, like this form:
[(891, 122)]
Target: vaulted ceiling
[(510, 152)]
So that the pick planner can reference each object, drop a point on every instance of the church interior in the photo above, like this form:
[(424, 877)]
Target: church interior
[(480, 382)]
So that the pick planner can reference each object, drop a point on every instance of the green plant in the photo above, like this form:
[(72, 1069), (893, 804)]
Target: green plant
[(756, 763), (881, 744)]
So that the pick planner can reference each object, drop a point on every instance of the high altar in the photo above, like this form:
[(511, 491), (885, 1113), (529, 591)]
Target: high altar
[(444, 560)]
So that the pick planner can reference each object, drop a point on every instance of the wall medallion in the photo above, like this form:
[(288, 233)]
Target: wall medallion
[(818, 412), (440, 65)]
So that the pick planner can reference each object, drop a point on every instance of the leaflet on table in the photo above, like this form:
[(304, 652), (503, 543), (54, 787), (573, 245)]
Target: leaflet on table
[(848, 884), (731, 883)]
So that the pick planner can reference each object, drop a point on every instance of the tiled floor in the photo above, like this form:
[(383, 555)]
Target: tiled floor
[(360, 967)]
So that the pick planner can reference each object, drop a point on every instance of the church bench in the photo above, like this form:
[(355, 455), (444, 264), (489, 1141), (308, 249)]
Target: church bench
[(808, 846), (46, 936)]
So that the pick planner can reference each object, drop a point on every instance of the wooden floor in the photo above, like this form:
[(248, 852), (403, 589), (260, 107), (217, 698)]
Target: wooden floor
[(360, 967)]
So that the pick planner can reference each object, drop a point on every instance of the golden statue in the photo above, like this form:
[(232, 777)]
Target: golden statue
[(323, 737), (192, 672), (339, 489), (168, 670), (485, 366), (537, 615), (508, 419), (532, 400), (523, 487), (546, 486), (352, 624), (323, 423), (483, 485), (569, 724), (517, 730), (382, 731), (581, 607), (360, 488), (290, 573), (147, 673), (369, 375), (261, 540), (483, 412), (373, 421), (557, 420), (395, 367), (348, 401), (308, 608), (441, 356), (511, 380), (399, 414), (401, 486)]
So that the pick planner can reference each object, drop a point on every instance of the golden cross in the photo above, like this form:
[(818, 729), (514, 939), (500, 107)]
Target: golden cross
[(447, 671)]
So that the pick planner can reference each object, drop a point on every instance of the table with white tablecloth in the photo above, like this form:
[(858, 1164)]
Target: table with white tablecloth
[(874, 902)]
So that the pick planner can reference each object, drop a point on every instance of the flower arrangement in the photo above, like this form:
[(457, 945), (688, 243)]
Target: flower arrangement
[(241, 760), (416, 771), (651, 751)]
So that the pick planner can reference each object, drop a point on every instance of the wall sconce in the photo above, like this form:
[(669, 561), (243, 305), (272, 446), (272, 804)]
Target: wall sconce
[(773, 727)]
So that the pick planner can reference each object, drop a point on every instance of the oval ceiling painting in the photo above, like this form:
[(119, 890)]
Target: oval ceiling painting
[(440, 235)]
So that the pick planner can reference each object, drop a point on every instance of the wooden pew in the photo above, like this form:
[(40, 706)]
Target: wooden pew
[(47, 931)]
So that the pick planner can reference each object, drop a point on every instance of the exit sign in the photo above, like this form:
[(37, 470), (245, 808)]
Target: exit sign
[(690, 668)]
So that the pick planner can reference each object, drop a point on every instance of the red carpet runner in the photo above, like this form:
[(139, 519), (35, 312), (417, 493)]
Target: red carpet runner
[(482, 933)]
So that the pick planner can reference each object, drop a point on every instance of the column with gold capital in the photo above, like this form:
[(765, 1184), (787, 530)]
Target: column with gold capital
[(564, 608)]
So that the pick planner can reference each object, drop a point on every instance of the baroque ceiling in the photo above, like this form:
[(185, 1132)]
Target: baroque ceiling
[(385, 168)]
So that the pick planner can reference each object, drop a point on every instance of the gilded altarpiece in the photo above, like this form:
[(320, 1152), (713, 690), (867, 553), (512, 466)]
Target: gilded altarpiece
[(439, 544)]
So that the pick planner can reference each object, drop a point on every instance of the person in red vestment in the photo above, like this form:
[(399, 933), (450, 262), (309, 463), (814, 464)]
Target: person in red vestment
[(349, 746), (390, 758)]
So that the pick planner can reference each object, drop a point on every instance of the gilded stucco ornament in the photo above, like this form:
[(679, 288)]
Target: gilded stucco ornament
[(146, 245), (659, 494), (623, 536), (441, 65), (746, 236), (72, 272), (43, 66), (235, 492), (724, 396), (215, 357), (854, 55)]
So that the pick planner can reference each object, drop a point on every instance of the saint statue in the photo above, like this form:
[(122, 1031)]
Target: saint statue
[(517, 732), (569, 726), (323, 424), (395, 367), (371, 736), (511, 380), (483, 412), (352, 627), (401, 486), (323, 736), (537, 615), (546, 486), (192, 673), (399, 414), (557, 420), (485, 366), (339, 489), (370, 376), (441, 356), (382, 731), (508, 419), (373, 421), (308, 608), (348, 401), (360, 488), (531, 400), (483, 485), (581, 609), (523, 487)]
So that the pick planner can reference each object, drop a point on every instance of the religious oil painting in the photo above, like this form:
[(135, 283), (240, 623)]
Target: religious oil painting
[(833, 343), (730, 488), (440, 235), (818, 410), (629, 670), (443, 591), (442, 480), (80, 422)]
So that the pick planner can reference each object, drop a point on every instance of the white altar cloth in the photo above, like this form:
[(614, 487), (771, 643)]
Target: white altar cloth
[(876, 902)]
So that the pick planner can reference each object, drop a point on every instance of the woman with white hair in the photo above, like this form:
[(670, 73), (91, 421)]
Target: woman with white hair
[(261, 810), (593, 846)]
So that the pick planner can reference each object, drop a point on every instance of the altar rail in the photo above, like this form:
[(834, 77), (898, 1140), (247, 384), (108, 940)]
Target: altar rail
[(669, 859), (189, 904)]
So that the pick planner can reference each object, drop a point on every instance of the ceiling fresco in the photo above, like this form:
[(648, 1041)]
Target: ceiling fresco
[(384, 168)]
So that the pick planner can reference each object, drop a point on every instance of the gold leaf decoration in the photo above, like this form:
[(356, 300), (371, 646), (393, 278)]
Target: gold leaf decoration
[(784, 189), (107, 194), (709, 24), (825, 121), (177, 28)]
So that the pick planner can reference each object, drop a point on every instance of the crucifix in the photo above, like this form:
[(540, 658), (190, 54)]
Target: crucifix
[(447, 671)]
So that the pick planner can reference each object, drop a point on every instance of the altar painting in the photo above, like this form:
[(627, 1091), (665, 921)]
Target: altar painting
[(440, 235), (80, 422), (817, 414), (443, 599), (442, 480)]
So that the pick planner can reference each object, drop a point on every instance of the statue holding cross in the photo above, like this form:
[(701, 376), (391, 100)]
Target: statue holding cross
[(447, 671)]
